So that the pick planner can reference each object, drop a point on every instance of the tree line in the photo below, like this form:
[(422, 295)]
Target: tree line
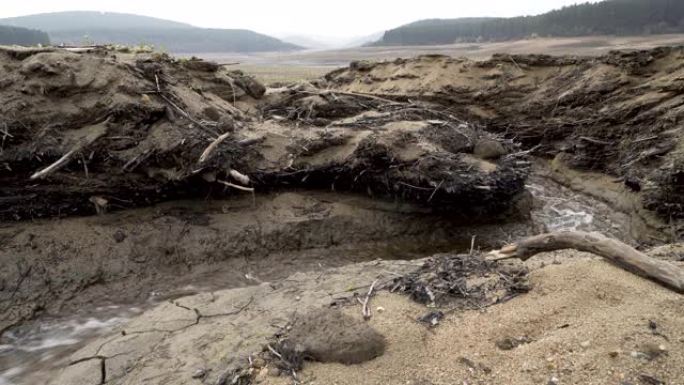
[(610, 17), (22, 36)]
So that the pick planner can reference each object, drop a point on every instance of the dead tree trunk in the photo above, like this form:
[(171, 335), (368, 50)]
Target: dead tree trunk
[(619, 253)]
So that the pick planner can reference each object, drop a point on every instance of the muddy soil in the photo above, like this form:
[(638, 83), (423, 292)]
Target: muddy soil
[(87, 132), (206, 186), (191, 247), (619, 114)]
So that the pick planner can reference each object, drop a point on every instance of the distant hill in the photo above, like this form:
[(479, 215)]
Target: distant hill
[(610, 17), (22, 36), (85, 27)]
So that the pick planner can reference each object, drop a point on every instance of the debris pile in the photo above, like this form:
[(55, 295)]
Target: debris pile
[(619, 114), (462, 281), (95, 130), (88, 131)]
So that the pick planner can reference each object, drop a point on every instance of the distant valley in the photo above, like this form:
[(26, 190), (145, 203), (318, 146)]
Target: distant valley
[(84, 27)]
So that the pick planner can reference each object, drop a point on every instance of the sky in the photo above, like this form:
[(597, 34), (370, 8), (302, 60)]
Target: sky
[(340, 18)]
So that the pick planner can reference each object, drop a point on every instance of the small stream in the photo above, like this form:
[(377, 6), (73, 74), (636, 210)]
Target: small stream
[(29, 352)]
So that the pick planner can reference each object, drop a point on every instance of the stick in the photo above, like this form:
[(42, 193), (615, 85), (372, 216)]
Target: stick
[(248, 189), (61, 162), (365, 309), (436, 189), (621, 254), (210, 149), (240, 177)]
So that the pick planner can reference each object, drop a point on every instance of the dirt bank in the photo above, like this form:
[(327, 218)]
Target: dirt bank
[(619, 114), (89, 131), (54, 267)]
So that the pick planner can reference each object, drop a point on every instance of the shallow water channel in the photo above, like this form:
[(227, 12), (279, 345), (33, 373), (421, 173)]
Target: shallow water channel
[(30, 352)]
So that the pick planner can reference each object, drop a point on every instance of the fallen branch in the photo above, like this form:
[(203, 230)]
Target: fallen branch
[(238, 187), (96, 132), (61, 162), (365, 310), (210, 149), (619, 253), (240, 177)]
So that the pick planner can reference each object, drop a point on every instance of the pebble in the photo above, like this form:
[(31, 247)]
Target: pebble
[(199, 373), (554, 381), (585, 344), (380, 309)]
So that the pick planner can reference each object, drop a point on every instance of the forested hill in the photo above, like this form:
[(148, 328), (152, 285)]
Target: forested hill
[(22, 36), (610, 17), (85, 27)]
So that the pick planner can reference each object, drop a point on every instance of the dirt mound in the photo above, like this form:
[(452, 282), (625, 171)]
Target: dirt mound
[(619, 113), (95, 130), (327, 335)]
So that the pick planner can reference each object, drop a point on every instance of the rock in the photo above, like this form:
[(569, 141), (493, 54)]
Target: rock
[(489, 149), (199, 373), (328, 335), (119, 236), (510, 343), (585, 344)]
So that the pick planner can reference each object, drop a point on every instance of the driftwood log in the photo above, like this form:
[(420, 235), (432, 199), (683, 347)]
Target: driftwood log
[(621, 254)]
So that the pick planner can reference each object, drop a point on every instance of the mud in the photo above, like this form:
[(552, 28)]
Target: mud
[(93, 131), (618, 114), (207, 185)]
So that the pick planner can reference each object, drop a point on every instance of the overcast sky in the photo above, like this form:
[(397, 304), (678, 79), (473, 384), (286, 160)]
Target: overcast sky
[(300, 17)]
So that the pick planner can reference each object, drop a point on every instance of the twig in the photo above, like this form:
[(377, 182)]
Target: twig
[(365, 309), (646, 139), (274, 351), (595, 141), (472, 245), (240, 177), (187, 116), (514, 62), (61, 162), (85, 165), (182, 112), (436, 189), (210, 149), (237, 187)]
